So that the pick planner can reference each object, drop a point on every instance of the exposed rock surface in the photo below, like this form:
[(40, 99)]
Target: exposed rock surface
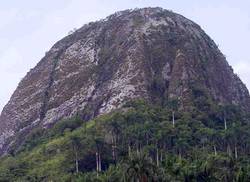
[(147, 53)]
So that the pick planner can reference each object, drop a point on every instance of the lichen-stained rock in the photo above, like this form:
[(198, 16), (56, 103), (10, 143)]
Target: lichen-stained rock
[(146, 53)]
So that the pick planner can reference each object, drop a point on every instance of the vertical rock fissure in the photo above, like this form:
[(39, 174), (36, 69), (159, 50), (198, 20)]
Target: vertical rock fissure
[(86, 113), (46, 96)]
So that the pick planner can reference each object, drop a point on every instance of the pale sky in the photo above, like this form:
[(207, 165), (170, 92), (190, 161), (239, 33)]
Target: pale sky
[(28, 29)]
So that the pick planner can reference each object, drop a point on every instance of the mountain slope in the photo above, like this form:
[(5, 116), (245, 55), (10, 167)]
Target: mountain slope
[(135, 143), (147, 53)]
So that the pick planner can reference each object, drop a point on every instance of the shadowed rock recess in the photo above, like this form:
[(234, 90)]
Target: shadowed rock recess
[(148, 53)]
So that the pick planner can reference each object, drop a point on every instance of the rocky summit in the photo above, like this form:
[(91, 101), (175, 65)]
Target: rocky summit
[(148, 53)]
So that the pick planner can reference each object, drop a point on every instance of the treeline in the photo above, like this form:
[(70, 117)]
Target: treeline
[(140, 142)]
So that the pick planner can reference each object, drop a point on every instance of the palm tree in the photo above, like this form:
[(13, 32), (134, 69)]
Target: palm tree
[(113, 174), (115, 130), (99, 146), (76, 143), (242, 175), (173, 105), (139, 168), (205, 171)]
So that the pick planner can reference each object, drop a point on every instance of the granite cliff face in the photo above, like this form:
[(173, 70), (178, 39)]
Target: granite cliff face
[(146, 53)]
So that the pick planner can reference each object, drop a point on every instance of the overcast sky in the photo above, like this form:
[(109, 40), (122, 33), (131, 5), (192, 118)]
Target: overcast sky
[(29, 28)]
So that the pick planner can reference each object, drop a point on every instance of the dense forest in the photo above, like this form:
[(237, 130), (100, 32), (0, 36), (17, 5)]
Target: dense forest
[(139, 142)]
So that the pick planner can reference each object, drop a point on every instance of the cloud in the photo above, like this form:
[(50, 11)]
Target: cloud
[(7, 16)]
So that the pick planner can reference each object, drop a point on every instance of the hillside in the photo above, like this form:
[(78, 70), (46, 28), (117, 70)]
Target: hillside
[(142, 95), (148, 53), (137, 142)]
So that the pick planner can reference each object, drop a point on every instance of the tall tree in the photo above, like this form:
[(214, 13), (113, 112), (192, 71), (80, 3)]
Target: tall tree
[(173, 104), (76, 145), (140, 168)]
